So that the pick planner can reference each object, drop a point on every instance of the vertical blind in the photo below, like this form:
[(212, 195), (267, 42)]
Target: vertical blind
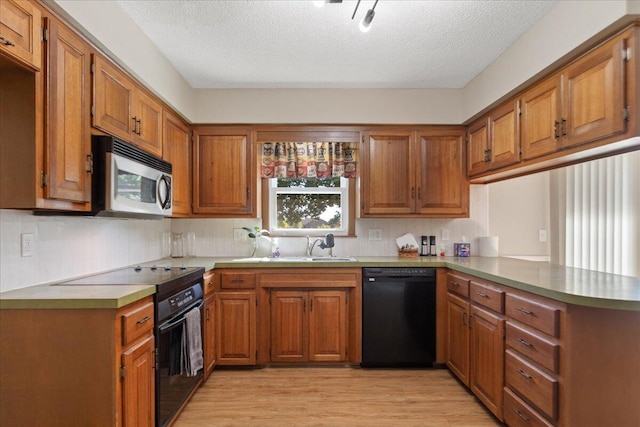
[(599, 211)]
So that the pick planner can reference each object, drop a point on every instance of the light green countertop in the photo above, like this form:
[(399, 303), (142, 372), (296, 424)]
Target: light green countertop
[(570, 285)]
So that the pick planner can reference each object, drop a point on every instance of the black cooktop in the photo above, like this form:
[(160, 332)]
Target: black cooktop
[(167, 280)]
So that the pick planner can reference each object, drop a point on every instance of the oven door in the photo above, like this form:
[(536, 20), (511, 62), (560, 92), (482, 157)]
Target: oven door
[(136, 188), (172, 387)]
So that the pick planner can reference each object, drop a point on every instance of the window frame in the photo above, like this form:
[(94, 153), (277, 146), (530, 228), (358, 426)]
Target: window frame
[(269, 222)]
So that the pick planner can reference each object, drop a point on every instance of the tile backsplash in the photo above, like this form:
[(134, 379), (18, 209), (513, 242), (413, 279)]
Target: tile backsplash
[(67, 247)]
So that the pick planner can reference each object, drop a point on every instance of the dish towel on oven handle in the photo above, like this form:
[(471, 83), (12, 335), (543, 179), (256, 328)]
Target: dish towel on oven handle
[(191, 359)]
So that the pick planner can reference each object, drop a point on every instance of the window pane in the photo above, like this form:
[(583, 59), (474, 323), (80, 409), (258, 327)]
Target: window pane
[(306, 210)]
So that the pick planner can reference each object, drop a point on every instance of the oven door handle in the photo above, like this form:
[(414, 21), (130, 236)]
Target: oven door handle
[(164, 328)]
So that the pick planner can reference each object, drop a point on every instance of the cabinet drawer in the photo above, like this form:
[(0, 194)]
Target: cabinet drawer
[(532, 384), (486, 295), (533, 346), (519, 414), (208, 282), (137, 323), (458, 284), (237, 281), (542, 317)]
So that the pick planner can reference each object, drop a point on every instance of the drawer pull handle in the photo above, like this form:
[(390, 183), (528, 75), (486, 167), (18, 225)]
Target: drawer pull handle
[(524, 343), (6, 41), (525, 311), (143, 320), (210, 283), (483, 295), (455, 284), (237, 280), (521, 415), (524, 374)]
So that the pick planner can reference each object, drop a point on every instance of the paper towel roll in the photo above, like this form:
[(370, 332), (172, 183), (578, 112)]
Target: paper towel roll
[(488, 246)]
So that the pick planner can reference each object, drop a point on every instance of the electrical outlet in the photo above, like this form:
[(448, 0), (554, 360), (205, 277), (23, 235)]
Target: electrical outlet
[(542, 235), (375, 234), (445, 234), (27, 247), (239, 234)]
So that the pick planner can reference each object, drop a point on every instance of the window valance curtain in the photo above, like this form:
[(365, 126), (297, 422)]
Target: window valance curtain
[(308, 159)]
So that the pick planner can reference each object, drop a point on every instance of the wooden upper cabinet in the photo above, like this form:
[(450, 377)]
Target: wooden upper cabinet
[(123, 109), (388, 177), (443, 188), (176, 150), (594, 101), (147, 115), (541, 118), (20, 30), (494, 140), (224, 173), (504, 135), (477, 147), (68, 133), (414, 173), (112, 99)]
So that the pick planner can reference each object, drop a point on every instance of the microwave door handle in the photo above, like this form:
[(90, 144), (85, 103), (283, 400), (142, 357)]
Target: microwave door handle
[(164, 181)]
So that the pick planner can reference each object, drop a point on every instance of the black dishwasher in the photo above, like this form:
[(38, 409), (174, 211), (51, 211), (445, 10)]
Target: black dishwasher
[(398, 317)]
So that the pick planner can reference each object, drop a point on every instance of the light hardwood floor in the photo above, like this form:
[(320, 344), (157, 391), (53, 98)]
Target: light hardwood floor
[(340, 396)]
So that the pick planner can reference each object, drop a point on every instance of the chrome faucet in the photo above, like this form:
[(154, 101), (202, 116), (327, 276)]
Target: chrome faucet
[(328, 242)]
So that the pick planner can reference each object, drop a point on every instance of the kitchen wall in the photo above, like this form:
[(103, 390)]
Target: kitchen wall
[(518, 209), (565, 28), (66, 247)]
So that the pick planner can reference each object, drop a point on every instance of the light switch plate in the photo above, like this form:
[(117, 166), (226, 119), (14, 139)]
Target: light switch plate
[(542, 235), (445, 234), (375, 234), (27, 247)]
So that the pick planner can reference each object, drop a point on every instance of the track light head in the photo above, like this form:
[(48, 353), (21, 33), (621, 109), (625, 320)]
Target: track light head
[(365, 24)]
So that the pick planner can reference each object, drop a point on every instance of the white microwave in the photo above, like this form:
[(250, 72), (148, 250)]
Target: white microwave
[(129, 182)]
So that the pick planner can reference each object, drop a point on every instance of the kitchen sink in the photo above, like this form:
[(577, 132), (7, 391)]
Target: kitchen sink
[(298, 259)]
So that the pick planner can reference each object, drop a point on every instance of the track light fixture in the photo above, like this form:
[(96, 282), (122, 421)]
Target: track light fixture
[(365, 24), (320, 3)]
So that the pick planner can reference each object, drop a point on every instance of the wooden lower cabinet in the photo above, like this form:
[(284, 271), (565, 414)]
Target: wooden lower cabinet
[(138, 384), (475, 338), (78, 366), (458, 337), (486, 358), (308, 326), (235, 320)]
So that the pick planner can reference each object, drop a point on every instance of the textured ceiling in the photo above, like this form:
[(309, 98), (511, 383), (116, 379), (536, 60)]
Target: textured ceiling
[(293, 44)]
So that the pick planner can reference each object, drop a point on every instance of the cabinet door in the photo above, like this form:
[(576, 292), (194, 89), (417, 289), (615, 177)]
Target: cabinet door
[(68, 134), (443, 188), (477, 147), (209, 334), (327, 326), (20, 29), (540, 119), (138, 389), (223, 175), (504, 135), (289, 337), (176, 151), (236, 328), (458, 337), (388, 185), (594, 95), (112, 99), (487, 358), (148, 122)]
